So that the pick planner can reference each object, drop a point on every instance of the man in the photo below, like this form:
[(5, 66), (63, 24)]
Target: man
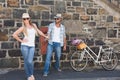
[(57, 39)]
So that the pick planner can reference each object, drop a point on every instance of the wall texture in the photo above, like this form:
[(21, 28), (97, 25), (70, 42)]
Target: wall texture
[(82, 18)]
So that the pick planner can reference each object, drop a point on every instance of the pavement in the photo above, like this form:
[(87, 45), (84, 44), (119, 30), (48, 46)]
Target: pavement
[(66, 74)]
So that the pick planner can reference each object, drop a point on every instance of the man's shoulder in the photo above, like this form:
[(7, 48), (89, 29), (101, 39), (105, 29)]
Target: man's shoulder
[(53, 23), (62, 24)]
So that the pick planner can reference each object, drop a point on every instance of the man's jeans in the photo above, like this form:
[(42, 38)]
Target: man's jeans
[(57, 48), (28, 54)]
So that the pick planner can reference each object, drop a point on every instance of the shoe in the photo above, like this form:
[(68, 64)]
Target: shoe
[(45, 75), (33, 78), (29, 78), (59, 70)]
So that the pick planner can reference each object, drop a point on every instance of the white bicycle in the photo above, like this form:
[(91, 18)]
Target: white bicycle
[(105, 57)]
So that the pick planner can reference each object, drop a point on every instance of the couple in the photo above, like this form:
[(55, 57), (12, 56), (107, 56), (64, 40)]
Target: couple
[(56, 38)]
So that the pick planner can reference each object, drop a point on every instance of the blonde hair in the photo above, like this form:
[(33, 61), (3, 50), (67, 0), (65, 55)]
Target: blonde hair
[(25, 28)]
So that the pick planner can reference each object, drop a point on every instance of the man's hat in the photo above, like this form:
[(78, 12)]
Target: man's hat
[(58, 16)]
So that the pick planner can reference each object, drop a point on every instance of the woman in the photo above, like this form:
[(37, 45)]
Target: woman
[(28, 43)]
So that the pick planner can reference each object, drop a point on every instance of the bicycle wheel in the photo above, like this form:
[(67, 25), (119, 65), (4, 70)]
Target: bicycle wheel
[(78, 60), (110, 60)]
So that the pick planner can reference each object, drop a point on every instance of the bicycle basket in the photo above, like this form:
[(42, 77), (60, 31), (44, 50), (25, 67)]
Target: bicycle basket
[(81, 46)]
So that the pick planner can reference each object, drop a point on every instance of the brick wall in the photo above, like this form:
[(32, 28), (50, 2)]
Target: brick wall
[(82, 19)]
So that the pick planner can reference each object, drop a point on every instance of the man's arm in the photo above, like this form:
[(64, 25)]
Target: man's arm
[(65, 43)]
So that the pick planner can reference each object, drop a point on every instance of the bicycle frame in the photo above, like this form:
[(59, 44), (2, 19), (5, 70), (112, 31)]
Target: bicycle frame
[(96, 58)]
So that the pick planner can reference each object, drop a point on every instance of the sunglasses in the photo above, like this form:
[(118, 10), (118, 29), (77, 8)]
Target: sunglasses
[(57, 18), (26, 18)]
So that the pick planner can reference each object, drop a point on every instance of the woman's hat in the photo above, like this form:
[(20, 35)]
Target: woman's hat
[(25, 15), (58, 16)]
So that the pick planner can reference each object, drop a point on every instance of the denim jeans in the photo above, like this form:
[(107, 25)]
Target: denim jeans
[(57, 48), (28, 54)]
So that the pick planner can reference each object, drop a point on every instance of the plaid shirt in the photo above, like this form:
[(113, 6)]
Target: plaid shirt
[(51, 32)]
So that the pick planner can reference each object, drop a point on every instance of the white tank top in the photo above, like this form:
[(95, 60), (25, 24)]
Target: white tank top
[(30, 37)]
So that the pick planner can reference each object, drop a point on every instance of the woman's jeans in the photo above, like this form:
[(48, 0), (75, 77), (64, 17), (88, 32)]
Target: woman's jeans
[(28, 54), (57, 48)]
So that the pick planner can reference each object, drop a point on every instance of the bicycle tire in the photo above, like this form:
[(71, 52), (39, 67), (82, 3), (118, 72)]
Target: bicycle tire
[(111, 60), (76, 63)]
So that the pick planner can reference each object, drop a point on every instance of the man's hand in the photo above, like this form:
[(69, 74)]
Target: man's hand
[(64, 48)]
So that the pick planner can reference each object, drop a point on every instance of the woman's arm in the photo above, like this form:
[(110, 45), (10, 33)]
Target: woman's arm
[(40, 32), (15, 34)]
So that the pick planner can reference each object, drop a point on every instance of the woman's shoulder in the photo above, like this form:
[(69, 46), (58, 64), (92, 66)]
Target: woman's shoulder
[(34, 24), (22, 27)]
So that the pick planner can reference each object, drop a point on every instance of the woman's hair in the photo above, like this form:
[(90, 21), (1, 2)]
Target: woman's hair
[(25, 28)]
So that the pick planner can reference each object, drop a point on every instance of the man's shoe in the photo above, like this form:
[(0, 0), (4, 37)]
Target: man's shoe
[(45, 75), (59, 70)]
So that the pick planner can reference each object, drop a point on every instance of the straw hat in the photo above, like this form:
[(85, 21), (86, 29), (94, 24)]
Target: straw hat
[(25, 15), (58, 16)]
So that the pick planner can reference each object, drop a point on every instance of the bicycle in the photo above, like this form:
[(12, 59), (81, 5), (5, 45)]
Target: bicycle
[(105, 57)]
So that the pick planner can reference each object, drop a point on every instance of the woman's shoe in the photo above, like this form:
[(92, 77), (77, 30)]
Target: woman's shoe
[(29, 78), (33, 78)]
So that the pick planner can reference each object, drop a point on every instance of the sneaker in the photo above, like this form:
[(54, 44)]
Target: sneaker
[(33, 78), (45, 75), (59, 70), (29, 78)]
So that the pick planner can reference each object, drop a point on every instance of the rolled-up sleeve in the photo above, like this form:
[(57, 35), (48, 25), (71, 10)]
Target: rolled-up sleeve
[(64, 33), (49, 29)]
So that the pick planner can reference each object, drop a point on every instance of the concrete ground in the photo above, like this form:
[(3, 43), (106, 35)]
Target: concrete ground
[(66, 74)]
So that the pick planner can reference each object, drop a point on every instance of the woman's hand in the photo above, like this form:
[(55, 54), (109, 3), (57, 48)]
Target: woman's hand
[(47, 37)]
